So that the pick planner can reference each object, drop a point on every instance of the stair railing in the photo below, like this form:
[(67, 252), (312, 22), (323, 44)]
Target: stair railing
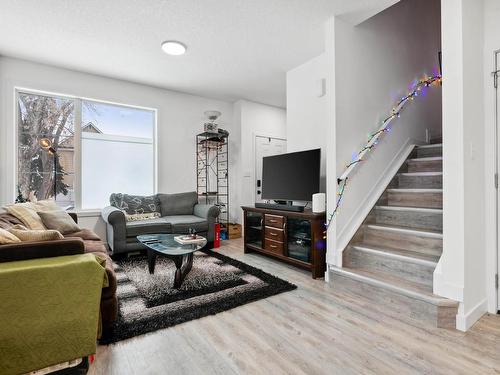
[(375, 137)]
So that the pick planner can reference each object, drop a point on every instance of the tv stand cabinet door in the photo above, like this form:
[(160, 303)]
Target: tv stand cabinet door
[(318, 259), (253, 229)]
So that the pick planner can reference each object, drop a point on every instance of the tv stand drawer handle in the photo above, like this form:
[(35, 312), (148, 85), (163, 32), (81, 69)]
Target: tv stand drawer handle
[(273, 221), (274, 234), (273, 246)]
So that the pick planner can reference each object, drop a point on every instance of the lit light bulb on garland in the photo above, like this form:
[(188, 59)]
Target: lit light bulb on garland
[(374, 138)]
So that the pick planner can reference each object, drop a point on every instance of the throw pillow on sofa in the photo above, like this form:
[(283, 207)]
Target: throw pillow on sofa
[(178, 203), (137, 217), (135, 204), (47, 205), (26, 212), (25, 234), (59, 220), (7, 238)]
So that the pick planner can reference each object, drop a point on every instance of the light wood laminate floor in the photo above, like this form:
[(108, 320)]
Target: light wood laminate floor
[(311, 330)]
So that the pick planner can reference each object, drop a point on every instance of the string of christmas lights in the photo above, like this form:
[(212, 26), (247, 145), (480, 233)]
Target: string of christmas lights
[(374, 138)]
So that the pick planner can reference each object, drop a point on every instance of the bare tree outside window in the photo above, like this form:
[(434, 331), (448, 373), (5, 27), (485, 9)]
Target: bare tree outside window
[(116, 149), (49, 117)]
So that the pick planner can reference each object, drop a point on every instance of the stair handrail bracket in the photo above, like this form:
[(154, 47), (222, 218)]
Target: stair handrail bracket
[(375, 137)]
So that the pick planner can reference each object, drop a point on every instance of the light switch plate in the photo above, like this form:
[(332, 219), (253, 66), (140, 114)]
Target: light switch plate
[(321, 87)]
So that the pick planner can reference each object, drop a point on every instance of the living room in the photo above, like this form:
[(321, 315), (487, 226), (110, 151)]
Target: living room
[(234, 187)]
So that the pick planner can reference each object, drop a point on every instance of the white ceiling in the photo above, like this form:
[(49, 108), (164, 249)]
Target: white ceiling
[(237, 49)]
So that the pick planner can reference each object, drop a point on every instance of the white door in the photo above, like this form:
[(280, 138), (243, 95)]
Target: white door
[(265, 146)]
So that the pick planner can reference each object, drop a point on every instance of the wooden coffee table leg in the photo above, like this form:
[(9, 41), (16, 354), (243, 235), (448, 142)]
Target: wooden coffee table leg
[(151, 261), (183, 265)]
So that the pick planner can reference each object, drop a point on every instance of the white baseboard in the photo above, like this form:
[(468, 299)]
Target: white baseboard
[(444, 288), (467, 320), (371, 198), (327, 275)]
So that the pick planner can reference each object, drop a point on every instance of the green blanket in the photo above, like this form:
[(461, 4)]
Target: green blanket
[(49, 311)]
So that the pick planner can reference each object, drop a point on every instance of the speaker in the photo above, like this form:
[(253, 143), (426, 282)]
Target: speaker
[(319, 203)]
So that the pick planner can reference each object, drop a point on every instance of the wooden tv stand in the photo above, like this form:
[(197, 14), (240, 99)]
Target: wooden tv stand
[(293, 237)]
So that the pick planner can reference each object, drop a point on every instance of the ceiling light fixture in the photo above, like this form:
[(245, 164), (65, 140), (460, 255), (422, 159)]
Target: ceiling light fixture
[(173, 47)]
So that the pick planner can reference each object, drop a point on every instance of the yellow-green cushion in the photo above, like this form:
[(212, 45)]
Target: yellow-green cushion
[(49, 311)]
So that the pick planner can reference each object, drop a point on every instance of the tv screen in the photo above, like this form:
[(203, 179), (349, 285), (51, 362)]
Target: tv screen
[(292, 176)]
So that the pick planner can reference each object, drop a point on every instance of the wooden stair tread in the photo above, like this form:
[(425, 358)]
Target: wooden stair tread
[(404, 255), (432, 145), (420, 174), (405, 230), (414, 190), (396, 285), (425, 159)]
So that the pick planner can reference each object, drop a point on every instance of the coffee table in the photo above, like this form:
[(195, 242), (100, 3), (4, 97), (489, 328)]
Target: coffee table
[(165, 244)]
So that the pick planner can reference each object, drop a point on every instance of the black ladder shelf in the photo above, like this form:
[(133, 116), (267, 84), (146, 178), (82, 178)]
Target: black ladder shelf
[(212, 168)]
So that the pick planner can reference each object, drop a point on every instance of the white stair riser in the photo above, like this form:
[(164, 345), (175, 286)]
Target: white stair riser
[(403, 241), (380, 262), (415, 199)]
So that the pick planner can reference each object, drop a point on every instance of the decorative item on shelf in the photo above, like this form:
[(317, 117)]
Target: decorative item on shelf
[(318, 202), (374, 138), (211, 126), (46, 145)]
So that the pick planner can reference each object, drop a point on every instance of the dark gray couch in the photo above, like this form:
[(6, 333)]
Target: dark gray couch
[(179, 213)]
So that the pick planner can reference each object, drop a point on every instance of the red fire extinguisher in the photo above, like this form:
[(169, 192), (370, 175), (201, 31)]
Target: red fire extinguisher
[(217, 236)]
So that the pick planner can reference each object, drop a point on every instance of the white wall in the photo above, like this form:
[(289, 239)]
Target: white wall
[(475, 302), (180, 118), (375, 62), (491, 44), (253, 119), (462, 268), (306, 122)]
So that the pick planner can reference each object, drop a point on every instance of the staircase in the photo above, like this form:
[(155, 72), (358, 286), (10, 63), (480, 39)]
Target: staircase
[(392, 257)]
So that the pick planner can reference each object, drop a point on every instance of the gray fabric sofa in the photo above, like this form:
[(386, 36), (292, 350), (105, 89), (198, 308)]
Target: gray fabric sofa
[(178, 213)]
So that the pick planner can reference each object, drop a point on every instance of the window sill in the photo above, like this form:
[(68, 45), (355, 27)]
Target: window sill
[(87, 213)]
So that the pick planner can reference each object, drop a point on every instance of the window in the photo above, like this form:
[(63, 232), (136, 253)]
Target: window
[(117, 151), (114, 145), (52, 118)]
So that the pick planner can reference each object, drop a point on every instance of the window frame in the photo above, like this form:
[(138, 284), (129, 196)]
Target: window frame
[(77, 102)]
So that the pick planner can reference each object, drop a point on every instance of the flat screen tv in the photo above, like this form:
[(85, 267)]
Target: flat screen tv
[(291, 177)]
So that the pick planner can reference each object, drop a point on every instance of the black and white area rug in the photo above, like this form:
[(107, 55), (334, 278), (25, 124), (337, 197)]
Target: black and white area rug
[(216, 283)]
